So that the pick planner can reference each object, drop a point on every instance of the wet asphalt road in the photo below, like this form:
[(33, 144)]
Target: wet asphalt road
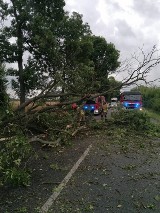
[(111, 181), (98, 117), (108, 180)]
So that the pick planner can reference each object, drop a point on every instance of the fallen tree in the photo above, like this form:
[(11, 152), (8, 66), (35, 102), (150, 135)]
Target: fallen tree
[(143, 65)]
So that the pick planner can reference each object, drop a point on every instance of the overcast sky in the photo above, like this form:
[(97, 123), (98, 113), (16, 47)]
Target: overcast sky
[(129, 24)]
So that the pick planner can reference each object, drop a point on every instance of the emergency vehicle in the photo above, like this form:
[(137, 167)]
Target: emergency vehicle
[(131, 100)]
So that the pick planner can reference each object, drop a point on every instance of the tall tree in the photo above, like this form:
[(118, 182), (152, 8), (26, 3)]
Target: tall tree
[(27, 18), (75, 48), (62, 58), (105, 57)]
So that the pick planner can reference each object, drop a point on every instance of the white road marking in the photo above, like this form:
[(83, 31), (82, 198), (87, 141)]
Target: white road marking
[(52, 198)]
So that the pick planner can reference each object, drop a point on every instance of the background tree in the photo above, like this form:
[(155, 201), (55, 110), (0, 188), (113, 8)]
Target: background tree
[(27, 18), (151, 97), (3, 84), (105, 58), (114, 88)]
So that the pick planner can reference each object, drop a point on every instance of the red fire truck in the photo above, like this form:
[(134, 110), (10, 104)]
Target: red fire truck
[(131, 100), (95, 105)]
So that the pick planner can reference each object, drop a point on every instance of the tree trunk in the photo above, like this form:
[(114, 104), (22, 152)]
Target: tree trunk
[(62, 99), (20, 51), (20, 65)]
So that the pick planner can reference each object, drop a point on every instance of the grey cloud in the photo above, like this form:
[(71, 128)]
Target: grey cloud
[(88, 10), (114, 5), (147, 8), (124, 29), (127, 38)]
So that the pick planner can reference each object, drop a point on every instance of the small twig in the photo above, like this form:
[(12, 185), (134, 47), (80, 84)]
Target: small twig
[(5, 139)]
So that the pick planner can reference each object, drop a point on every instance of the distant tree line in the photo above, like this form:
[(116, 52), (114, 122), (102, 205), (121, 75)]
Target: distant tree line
[(151, 97)]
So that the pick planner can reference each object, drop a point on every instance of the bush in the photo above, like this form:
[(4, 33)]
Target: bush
[(16, 177), (12, 156), (136, 120)]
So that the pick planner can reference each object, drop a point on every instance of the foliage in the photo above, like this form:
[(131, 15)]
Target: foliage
[(97, 125), (63, 56), (134, 119), (151, 97), (76, 68), (153, 115), (114, 87), (60, 47), (137, 121), (105, 58), (32, 28), (56, 43), (3, 95), (13, 154), (16, 177), (53, 124)]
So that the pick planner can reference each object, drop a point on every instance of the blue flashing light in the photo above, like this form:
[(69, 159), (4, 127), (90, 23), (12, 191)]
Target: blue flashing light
[(85, 107), (137, 105), (125, 104), (92, 107)]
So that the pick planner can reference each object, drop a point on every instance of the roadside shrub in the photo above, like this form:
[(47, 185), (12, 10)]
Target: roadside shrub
[(154, 130), (12, 156), (136, 120), (97, 125), (16, 177)]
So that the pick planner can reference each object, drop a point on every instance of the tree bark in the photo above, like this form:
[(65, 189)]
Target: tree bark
[(20, 65), (20, 52)]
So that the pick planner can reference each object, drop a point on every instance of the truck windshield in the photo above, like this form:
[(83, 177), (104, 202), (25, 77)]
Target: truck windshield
[(132, 97), (90, 102)]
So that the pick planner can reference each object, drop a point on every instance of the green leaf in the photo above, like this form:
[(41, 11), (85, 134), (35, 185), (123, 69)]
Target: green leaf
[(157, 197)]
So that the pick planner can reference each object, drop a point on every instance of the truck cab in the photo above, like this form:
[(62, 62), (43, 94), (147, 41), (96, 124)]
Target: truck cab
[(131, 100), (92, 106)]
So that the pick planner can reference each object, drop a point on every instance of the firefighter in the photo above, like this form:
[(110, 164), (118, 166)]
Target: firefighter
[(104, 110), (81, 116), (74, 106)]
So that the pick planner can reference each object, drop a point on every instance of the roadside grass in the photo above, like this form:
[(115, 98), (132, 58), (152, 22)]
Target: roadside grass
[(153, 115), (129, 131)]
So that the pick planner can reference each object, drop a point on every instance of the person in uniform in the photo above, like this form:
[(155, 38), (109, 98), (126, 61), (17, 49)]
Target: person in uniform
[(104, 110)]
